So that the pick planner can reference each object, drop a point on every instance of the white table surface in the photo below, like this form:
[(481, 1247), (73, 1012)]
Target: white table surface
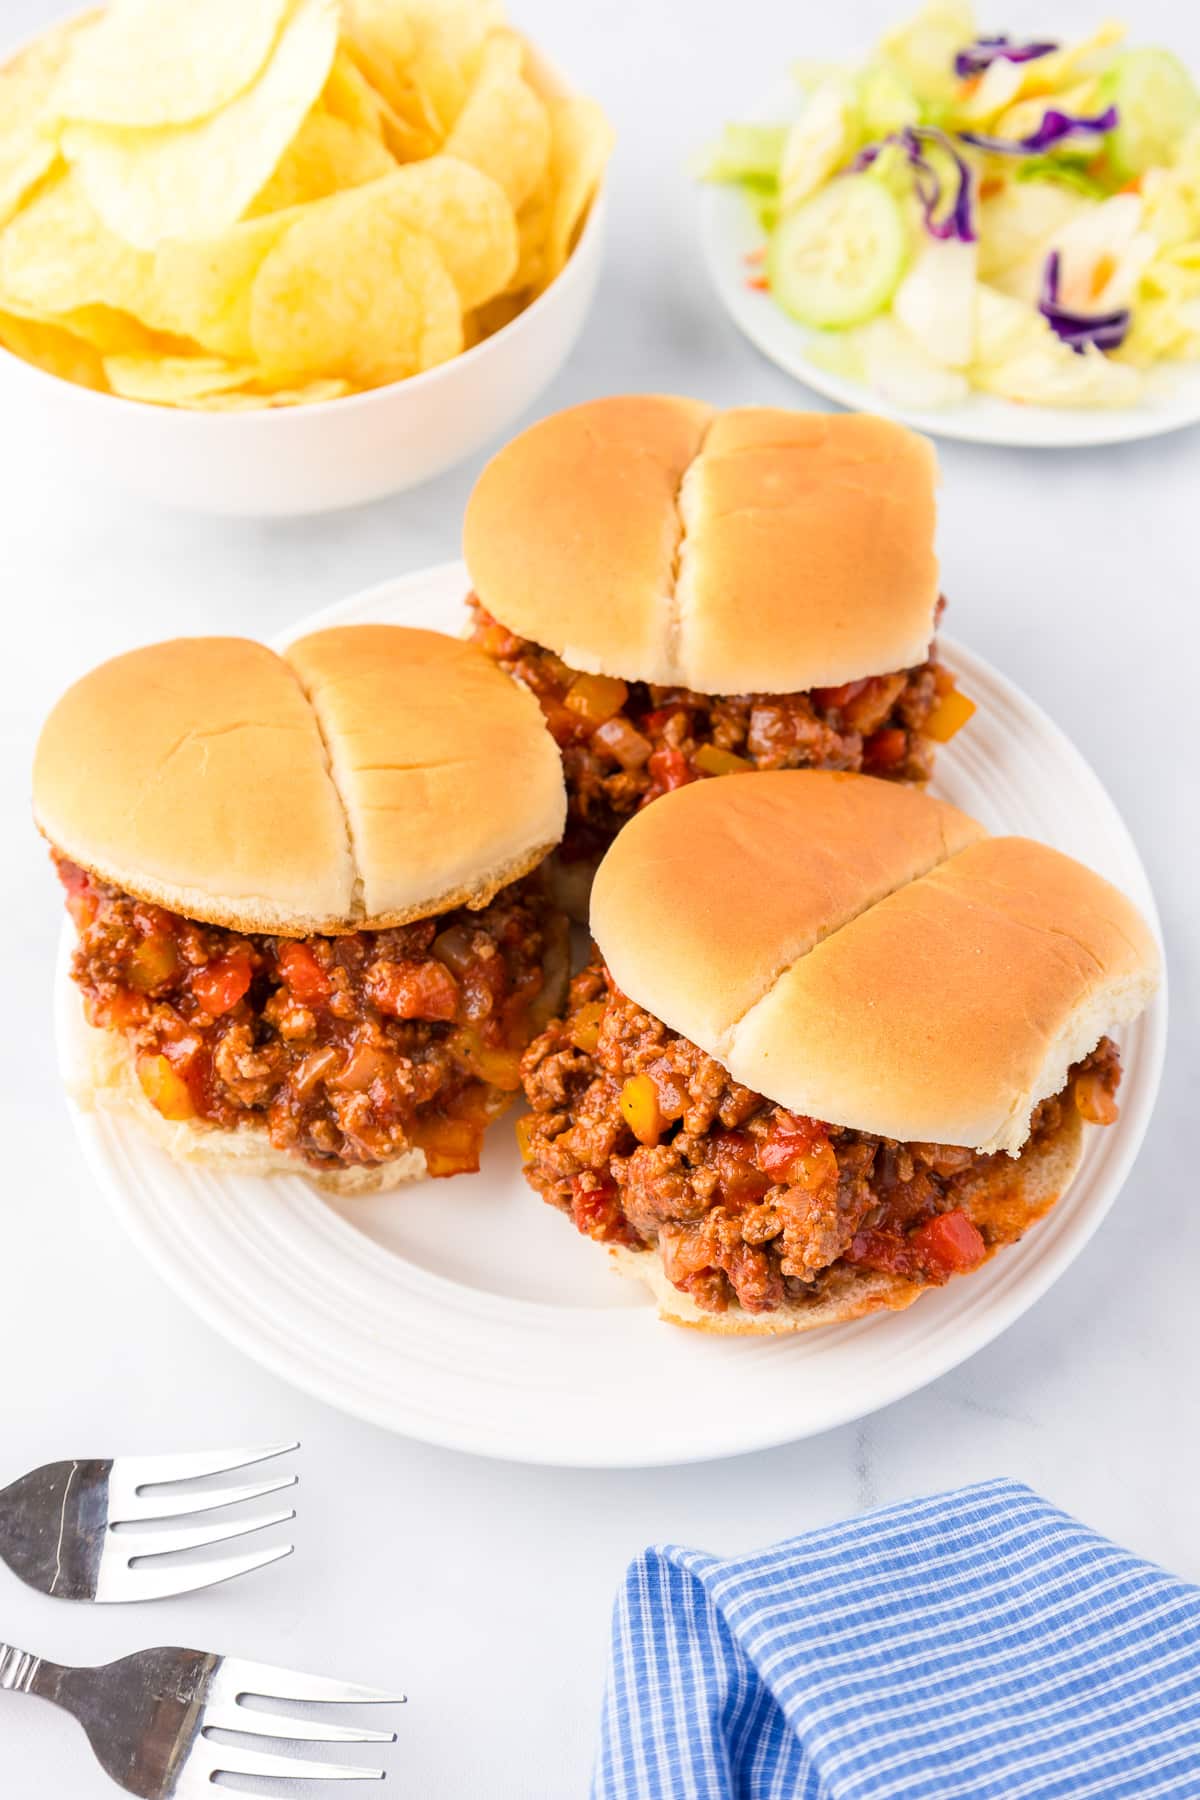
[(483, 1588)]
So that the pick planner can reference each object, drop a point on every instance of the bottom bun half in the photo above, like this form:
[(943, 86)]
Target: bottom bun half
[(105, 1080), (1014, 1196)]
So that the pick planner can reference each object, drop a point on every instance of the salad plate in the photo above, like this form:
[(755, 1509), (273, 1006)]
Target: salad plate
[(896, 242), (468, 1314)]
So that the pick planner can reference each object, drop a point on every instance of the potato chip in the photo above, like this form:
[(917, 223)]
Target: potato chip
[(195, 180), (326, 157), (349, 96), (411, 125), (58, 255), (581, 142), (420, 55), (116, 333), (504, 128), (493, 317), (203, 286), (56, 351), (168, 62), (467, 216), (352, 291), (28, 141), (533, 226), (311, 394), (172, 380)]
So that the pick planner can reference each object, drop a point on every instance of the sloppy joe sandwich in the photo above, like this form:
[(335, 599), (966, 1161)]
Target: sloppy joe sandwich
[(308, 936), (837, 1044), (693, 593)]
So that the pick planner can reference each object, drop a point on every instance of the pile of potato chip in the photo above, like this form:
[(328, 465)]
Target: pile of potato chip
[(228, 204)]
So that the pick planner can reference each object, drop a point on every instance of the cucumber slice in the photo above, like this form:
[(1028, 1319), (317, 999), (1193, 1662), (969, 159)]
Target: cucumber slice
[(1157, 101), (837, 260)]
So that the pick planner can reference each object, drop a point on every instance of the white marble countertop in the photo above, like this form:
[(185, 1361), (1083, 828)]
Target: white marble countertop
[(483, 1588)]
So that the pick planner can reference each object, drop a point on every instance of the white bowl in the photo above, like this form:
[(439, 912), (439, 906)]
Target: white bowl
[(311, 459)]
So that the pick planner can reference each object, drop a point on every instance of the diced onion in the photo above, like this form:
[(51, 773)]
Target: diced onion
[(624, 744)]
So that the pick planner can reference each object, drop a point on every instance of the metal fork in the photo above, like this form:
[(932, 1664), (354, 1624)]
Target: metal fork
[(58, 1525), (149, 1718)]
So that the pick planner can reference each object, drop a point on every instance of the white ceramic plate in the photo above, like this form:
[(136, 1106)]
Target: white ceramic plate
[(729, 230), (468, 1314)]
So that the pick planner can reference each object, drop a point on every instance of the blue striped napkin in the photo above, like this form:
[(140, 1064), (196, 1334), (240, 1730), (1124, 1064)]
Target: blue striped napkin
[(975, 1643)]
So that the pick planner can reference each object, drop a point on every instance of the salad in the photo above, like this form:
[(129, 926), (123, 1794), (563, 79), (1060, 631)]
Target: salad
[(962, 211)]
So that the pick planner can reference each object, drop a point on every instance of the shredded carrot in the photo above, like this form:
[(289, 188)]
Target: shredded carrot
[(990, 186), (759, 283), (756, 256), (968, 86), (1102, 274), (1133, 186)]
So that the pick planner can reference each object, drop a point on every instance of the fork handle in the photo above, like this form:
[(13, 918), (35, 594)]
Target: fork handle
[(23, 1673)]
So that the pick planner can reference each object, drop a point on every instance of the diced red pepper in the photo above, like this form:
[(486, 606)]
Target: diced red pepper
[(669, 769), (660, 718), (886, 749), (742, 1181), (948, 1244), (81, 901), (220, 985), (830, 697), (885, 1251), (304, 975), (414, 990), (792, 1135), (596, 1209)]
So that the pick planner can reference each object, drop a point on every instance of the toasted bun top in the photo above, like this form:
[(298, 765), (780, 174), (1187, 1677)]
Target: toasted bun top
[(370, 775), (864, 954), (756, 550)]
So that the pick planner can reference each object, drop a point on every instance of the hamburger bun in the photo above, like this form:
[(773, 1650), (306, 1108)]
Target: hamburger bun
[(368, 776), (861, 953), (756, 550)]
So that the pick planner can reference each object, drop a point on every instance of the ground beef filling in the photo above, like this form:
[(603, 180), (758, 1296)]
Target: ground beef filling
[(346, 1050), (644, 1140), (624, 743)]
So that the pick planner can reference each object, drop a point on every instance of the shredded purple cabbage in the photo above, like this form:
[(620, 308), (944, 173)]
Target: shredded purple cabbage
[(1055, 126), (1105, 331), (956, 221), (986, 50)]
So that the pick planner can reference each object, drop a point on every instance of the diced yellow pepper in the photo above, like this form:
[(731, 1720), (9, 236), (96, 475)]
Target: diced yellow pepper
[(584, 1029), (525, 1136), (948, 716), (152, 961), (164, 1087), (639, 1104), (721, 762), (596, 697), (500, 1068)]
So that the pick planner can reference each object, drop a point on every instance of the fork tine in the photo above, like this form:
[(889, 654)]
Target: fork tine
[(268, 1683), (230, 1761), (170, 1543), (150, 1471), (298, 1731), (163, 1584), (132, 1509)]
